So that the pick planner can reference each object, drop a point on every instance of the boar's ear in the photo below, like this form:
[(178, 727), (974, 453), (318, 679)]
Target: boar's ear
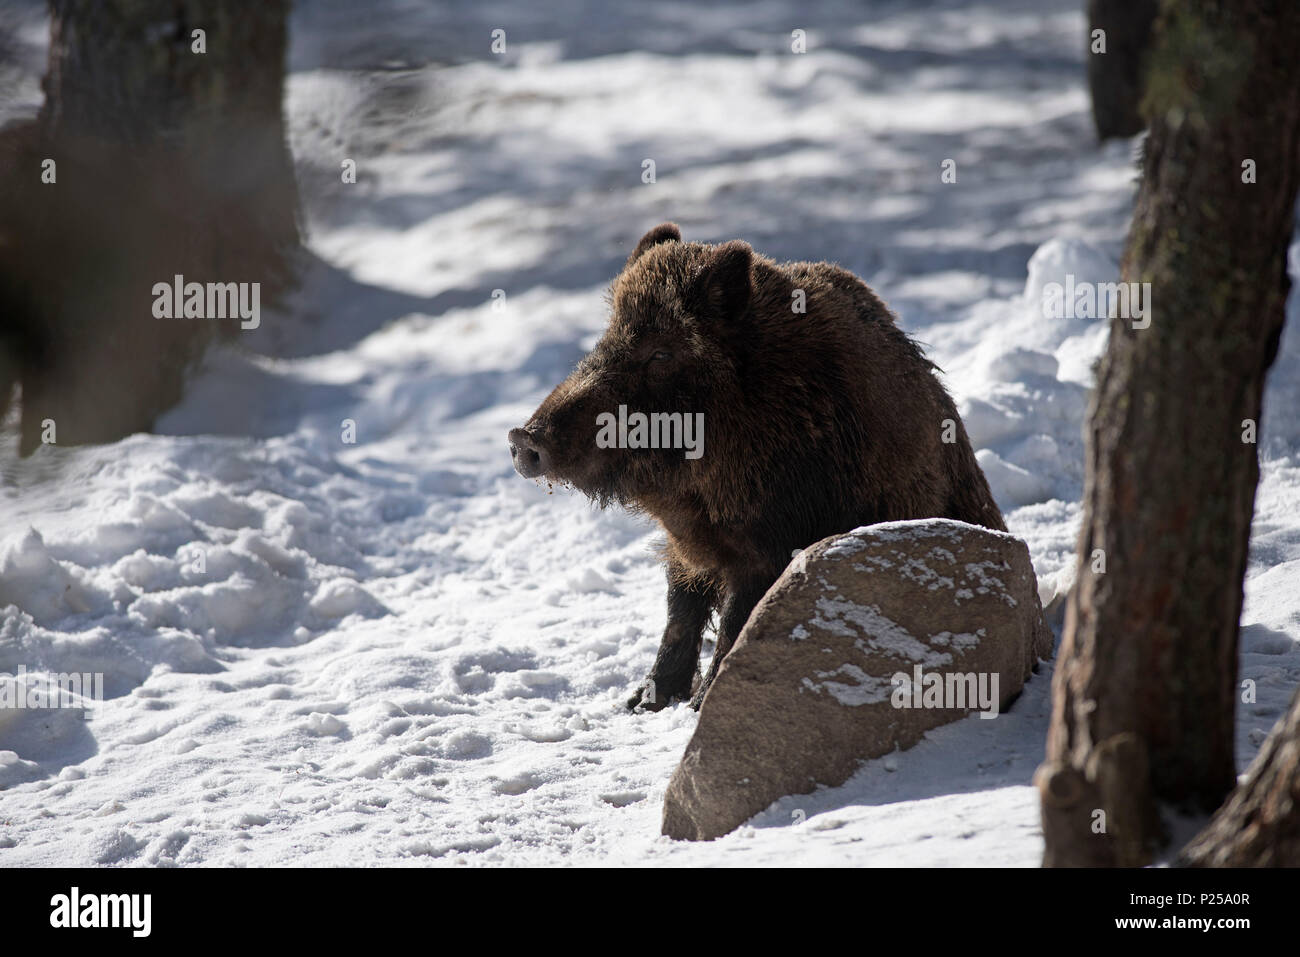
[(721, 288), (663, 233)]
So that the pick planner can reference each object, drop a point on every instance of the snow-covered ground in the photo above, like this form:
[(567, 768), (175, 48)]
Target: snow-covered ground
[(399, 652)]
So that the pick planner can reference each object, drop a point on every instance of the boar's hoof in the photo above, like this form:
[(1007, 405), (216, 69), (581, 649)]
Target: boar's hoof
[(666, 691), (642, 701)]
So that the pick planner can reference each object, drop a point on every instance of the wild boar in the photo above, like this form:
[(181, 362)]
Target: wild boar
[(751, 408)]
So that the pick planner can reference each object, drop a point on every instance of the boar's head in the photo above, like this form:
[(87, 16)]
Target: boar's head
[(671, 347)]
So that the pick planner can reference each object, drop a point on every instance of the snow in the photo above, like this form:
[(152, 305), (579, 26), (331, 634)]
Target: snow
[(866, 689), (399, 652)]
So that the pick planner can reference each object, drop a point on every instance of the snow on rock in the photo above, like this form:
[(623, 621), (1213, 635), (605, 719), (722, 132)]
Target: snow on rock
[(783, 717)]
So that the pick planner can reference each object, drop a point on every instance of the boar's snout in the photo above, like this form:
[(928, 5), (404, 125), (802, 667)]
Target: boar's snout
[(530, 455)]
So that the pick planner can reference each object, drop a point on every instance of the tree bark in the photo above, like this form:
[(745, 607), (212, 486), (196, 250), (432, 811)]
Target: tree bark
[(125, 72), (1259, 826), (168, 161), (1143, 693), (1115, 77)]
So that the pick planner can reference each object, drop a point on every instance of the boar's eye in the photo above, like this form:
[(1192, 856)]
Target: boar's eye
[(661, 355)]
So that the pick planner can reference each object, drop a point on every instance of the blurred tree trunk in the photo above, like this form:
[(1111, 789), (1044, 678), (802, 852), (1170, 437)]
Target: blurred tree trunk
[(126, 71), (1115, 76), (1144, 691), (1259, 826), (168, 161)]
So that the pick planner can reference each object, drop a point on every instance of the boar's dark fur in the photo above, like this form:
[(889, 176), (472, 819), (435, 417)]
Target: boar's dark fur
[(815, 423)]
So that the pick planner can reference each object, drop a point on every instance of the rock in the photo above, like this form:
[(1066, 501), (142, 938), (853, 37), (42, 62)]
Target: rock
[(825, 672)]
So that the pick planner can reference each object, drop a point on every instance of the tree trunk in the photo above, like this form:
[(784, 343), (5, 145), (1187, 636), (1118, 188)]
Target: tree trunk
[(1143, 705), (1115, 77), (168, 161), (1259, 826), (126, 72)]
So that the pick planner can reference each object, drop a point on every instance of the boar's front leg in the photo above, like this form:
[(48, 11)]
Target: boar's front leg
[(740, 601), (690, 602)]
